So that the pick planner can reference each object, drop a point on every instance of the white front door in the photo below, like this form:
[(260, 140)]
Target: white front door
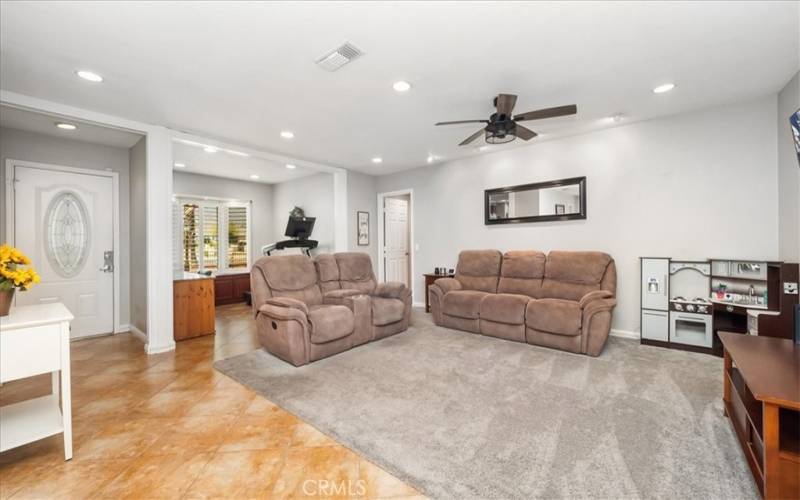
[(64, 221), (395, 244)]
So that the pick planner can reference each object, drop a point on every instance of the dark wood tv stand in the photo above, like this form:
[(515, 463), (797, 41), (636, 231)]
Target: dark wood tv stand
[(762, 400)]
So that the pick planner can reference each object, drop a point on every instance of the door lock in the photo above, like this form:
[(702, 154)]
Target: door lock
[(108, 261)]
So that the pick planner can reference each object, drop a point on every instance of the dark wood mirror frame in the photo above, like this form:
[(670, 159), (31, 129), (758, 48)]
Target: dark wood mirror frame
[(579, 181)]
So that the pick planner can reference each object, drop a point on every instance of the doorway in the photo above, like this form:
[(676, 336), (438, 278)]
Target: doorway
[(396, 237), (66, 220)]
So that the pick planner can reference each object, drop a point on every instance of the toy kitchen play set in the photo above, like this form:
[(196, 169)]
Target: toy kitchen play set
[(684, 303)]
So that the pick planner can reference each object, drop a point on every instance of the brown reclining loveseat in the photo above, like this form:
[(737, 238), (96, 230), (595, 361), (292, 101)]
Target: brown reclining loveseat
[(562, 300), (308, 310)]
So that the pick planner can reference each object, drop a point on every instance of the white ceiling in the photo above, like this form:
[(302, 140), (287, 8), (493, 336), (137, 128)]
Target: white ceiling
[(46, 124), (243, 72), (223, 164)]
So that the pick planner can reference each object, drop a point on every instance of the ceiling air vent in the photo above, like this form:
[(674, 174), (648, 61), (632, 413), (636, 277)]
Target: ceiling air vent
[(339, 57)]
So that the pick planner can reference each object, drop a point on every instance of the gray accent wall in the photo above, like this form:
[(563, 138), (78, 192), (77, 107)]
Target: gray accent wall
[(138, 246), (788, 174), (29, 146), (695, 185), (314, 194), (362, 197), (260, 194)]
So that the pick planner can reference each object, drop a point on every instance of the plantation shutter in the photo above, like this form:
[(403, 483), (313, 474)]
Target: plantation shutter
[(237, 236), (191, 237), (210, 237)]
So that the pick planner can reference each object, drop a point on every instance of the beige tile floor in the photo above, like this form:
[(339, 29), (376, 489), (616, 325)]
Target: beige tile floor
[(170, 426)]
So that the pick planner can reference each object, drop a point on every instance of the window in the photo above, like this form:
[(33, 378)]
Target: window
[(213, 235)]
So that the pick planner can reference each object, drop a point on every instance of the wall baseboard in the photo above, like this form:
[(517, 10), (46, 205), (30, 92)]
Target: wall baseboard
[(418, 304), (158, 350), (135, 332), (624, 334)]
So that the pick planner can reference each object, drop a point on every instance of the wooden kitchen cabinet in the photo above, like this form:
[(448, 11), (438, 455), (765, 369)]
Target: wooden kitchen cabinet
[(230, 288), (193, 306)]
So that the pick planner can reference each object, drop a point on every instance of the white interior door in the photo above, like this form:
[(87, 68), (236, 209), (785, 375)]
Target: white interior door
[(395, 240), (64, 221)]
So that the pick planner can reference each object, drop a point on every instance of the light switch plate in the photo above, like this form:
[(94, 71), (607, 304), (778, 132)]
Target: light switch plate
[(790, 288)]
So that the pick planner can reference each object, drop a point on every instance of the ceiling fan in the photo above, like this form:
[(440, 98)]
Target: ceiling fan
[(502, 126)]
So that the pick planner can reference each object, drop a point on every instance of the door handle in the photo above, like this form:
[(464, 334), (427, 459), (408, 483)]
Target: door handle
[(107, 268)]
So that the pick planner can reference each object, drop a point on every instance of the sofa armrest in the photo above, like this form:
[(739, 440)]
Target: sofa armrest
[(595, 295), (283, 313), (447, 285), (391, 290), (287, 302)]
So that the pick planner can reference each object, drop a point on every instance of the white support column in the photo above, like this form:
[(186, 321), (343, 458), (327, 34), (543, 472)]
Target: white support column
[(340, 219), (159, 241)]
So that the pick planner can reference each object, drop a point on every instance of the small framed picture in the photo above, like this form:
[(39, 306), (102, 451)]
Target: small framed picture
[(362, 225), (559, 209)]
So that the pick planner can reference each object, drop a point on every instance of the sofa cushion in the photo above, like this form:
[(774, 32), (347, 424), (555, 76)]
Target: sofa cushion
[(329, 322), (504, 308), (355, 271), (386, 311), (291, 276), (562, 317), (479, 269), (328, 272), (463, 303), (571, 275), (522, 273)]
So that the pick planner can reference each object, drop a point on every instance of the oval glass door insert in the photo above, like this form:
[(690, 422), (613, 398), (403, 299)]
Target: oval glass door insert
[(67, 234)]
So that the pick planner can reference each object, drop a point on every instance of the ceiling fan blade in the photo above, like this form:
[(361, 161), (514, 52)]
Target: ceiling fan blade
[(471, 138), (524, 132), (547, 113), (462, 121), (505, 104)]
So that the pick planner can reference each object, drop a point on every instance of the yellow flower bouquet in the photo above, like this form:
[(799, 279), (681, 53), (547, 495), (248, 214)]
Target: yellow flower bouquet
[(15, 272)]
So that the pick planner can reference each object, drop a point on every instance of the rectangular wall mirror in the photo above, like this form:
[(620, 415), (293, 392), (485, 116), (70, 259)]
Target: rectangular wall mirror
[(564, 199)]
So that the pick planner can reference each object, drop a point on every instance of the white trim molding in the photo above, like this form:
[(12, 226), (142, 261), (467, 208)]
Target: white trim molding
[(624, 334)]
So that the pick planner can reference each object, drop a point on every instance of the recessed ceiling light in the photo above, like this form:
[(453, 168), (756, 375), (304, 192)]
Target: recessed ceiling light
[(290, 166), (432, 158), (615, 118), (210, 149), (66, 126), (377, 159), (482, 148), (89, 75), (401, 86), (179, 165), (254, 176), (664, 88), (287, 134)]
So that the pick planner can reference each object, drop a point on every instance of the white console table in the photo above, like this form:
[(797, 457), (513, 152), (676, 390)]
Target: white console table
[(35, 340)]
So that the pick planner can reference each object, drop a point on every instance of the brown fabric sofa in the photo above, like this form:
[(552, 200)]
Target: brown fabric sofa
[(562, 300), (310, 309)]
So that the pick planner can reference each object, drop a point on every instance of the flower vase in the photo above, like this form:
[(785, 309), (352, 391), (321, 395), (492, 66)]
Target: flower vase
[(6, 298)]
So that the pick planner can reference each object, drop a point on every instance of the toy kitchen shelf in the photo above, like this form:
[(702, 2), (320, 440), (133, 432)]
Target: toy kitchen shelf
[(685, 303)]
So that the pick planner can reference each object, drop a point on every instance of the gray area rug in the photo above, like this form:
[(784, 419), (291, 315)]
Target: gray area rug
[(459, 415)]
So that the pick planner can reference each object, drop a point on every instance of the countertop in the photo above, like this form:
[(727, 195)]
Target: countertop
[(184, 276), (762, 307)]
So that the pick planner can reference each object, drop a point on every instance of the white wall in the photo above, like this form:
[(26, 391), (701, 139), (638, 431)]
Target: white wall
[(362, 197), (788, 174), (314, 194), (694, 185), (260, 194), (138, 220), (22, 145)]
